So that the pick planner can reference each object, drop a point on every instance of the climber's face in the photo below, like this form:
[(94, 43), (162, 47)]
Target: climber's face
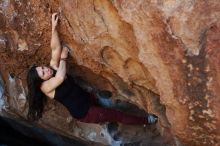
[(44, 72)]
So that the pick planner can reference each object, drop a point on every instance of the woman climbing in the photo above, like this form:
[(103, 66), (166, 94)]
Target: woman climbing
[(54, 83)]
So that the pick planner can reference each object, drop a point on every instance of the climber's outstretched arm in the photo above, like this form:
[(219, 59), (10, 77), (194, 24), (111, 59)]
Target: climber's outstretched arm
[(55, 43), (48, 87)]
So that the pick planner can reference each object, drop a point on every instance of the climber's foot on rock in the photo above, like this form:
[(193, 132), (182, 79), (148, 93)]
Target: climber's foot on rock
[(151, 119)]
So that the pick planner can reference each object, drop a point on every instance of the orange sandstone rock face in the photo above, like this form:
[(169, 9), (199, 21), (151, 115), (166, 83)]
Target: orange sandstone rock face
[(160, 55)]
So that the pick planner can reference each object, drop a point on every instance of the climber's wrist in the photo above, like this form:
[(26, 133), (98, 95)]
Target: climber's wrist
[(63, 59)]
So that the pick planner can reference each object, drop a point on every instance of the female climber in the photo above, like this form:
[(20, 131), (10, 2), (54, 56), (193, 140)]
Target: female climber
[(54, 83)]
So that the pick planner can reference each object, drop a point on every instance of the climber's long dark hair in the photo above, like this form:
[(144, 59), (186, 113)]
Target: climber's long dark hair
[(36, 98)]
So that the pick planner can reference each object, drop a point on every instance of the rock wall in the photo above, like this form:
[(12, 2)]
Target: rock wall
[(159, 55)]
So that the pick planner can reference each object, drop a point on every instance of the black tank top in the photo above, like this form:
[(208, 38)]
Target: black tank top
[(73, 97)]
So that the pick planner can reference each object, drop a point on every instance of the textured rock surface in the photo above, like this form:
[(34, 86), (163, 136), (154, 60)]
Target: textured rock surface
[(159, 55)]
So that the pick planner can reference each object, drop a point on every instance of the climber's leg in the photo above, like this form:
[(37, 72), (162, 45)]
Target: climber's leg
[(100, 114)]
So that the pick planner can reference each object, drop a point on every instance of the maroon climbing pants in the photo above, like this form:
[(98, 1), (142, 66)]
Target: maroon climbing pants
[(97, 114), (100, 114)]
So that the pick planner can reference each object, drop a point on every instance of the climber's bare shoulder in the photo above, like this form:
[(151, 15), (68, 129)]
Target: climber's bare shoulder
[(48, 87)]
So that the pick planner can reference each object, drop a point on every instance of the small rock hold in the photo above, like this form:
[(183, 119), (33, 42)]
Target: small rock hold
[(207, 68), (22, 45), (201, 116), (190, 66), (184, 61), (2, 43), (69, 119), (192, 112), (191, 118), (102, 134)]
